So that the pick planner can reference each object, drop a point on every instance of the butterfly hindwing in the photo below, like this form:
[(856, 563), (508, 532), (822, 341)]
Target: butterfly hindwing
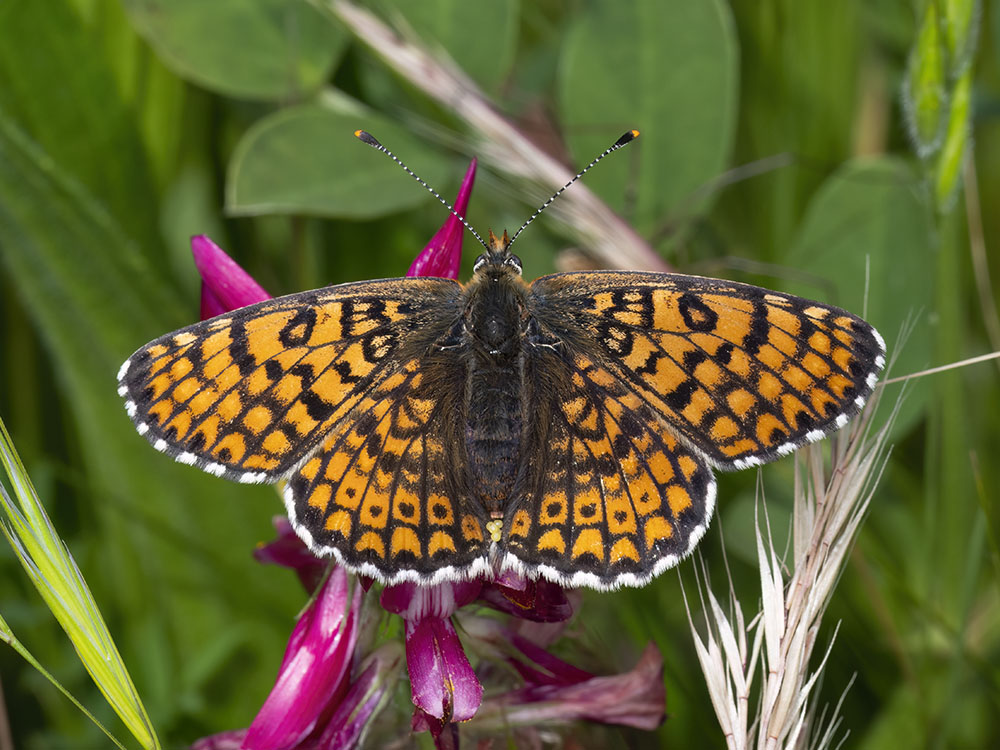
[(248, 394), (608, 495), (386, 492), (744, 375)]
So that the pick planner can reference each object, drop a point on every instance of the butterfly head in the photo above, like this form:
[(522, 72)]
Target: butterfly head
[(498, 259)]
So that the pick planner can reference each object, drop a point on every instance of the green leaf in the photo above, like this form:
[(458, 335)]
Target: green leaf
[(264, 49), (874, 214), (667, 68), (951, 159), (306, 160), (60, 81), (925, 91), (479, 37)]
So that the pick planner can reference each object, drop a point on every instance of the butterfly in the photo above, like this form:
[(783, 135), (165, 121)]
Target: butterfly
[(568, 428)]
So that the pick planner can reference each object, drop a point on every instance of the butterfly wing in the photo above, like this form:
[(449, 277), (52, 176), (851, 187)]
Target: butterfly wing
[(249, 394), (609, 496), (742, 374), (388, 492)]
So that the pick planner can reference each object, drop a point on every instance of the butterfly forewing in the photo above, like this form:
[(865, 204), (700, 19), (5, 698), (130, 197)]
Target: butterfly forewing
[(249, 394), (742, 374)]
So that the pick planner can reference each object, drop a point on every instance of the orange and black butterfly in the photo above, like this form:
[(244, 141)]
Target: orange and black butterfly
[(567, 428)]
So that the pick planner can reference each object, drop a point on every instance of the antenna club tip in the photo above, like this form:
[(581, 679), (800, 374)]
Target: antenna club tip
[(364, 135), (631, 135)]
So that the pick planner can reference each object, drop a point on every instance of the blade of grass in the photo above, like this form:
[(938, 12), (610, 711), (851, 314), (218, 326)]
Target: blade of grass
[(54, 573)]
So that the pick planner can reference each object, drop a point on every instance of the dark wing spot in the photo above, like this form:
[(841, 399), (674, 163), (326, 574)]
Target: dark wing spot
[(272, 369), (759, 328), (724, 354), (316, 407), (680, 397), (299, 329), (697, 315), (694, 358)]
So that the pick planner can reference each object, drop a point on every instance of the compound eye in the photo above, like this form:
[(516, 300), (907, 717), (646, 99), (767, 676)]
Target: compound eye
[(514, 262), (480, 262)]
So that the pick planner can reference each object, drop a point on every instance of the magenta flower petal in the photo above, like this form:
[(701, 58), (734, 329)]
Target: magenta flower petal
[(554, 671), (314, 671), (228, 285), (210, 304), (368, 691), (441, 678), (636, 698), (414, 602), (289, 551), (441, 256)]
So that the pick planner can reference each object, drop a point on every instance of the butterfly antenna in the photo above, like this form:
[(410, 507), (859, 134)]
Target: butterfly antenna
[(623, 141), (372, 141)]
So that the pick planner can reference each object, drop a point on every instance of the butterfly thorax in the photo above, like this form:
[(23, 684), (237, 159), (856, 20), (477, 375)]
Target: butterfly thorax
[(494, 325)]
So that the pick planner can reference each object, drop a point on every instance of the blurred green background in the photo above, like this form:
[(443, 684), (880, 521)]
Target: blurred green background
[(127, 127)]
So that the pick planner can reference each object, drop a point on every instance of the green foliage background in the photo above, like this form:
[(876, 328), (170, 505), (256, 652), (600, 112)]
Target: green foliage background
[(126, 128)]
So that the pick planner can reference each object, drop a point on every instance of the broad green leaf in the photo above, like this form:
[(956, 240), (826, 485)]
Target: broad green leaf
[(479, 37), (253, 49), (667, 68), (874, 214), (306, 160)]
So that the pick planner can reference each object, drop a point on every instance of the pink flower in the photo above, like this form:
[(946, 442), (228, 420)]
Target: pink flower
[(441, 256), (315, 673), (557, 692), (225, 285), (442, 682)]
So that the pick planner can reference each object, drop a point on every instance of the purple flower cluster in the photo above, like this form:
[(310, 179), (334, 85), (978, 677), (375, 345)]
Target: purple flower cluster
[(333, 681)]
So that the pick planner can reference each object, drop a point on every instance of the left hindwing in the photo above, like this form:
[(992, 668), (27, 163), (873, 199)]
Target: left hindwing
[(742, 374)]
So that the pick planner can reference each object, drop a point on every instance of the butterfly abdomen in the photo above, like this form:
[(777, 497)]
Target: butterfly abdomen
[(494, 400), (493, 430)]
